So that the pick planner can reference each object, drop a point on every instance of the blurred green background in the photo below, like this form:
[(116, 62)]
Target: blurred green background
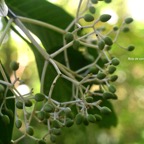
[(130, 89)]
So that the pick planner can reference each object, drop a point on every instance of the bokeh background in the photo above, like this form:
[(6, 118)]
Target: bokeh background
[(130, 86)]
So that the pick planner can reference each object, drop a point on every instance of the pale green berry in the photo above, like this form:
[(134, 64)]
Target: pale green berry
[(39, 97), (14, 65), (88, 18), (91, 118), (108, 40), (105, 110), (98, 117), (67, 110), (79, 118), (18, 123), (105, 17), (41, 115), (131, 48), (128, 20), (30, 130)]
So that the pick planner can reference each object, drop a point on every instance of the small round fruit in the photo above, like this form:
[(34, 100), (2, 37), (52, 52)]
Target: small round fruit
[(125, 29), (56, 124), (111, 69), (1, 88), (39, 97), (49, 108), (108, 1), (28, 103), (19, 105), (41, 142), (18, 123), (105, 110), (112, 89), (108, 95), (6, 119), (108, 41), (105, 17), (14, 65), (79, 119), (101, 44), (30, 130), (53, 138), (128, 20), (91, 118), (115, 28), (76, 44), (98, 117), (115, 61), (130, 48), (41, 115), (67, 110), (69, 122), (92, 9), (113, 78), (69, 37), (88, 18), (56, 131), (101, 75), (85, 121), (94, 1), (89, 99)]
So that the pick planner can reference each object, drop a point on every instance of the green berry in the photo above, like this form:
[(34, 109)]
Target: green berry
[(105, 110), (105, 17), (14, 65), (85, 121), (112, 89), (91, 118), (19, 105), (98, 117), (115, 28), (30, 130), (67, 110), (89, 99), (101, 44), (94, 1), (130, 48), (108, 40), (28, 103), (108, 95), (125, 29), (115, 61), (41, 142), (1, 88), (88, 18), (56, 124), (113, 78), (41, 115), (49, 108), (53, 138), (39, 97), (76, 44), (79, 119), (92, 9), (56, 131), (6, 119), (69, 122), (111, 69), (69, 37), (128, 20), (108, 1), (18, 123), (101, 75)]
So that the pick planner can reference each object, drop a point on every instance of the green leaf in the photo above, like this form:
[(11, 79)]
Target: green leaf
[(6, 130)]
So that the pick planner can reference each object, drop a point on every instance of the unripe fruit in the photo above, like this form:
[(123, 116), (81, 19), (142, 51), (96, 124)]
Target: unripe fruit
[(41, 115), (130, 48), (108, 95), (108, 1), (76, 44), (89, 99), (108, 40), (1, 88), (91, 118), (53, 138), (56, 124), (88, 18), (69, 122), (49, 108), (125, 29), (92, 9), (39, 97), (69, 37), (94, 1), (6, 119), (101, 44), (101, 75), (14, 65), (30, 130), (56, 131), (85, 121), (19, 105), (105, 110), (105, 17), (128, 20), (115, 28), (113, 78), (98, 117), (67, 110), (111, 69), (41, 142), (18, 123), (115, 61), (28, 103), (79, 119), (112, 89)]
